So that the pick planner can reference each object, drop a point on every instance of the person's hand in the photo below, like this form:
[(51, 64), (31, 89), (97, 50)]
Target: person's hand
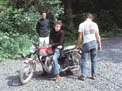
[(49, 46), (59, 47), (99, 47), (78, 47)]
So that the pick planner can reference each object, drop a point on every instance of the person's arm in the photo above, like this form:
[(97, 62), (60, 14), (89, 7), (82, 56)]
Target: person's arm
[(98, 40), (98, 37), (80, 35), (79, 39), (61, 42), (37, 27), (62, 38), (51, 37)]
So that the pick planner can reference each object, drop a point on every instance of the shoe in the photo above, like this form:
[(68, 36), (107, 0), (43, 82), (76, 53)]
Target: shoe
[(93, 77), (58, 78), (81, 78)]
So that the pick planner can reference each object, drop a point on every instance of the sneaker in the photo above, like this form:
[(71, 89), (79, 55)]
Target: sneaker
[(81, 78), (93, 77)]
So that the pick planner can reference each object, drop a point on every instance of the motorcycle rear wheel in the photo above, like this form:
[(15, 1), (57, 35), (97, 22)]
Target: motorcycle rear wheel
[(26, 72), (76, 57)]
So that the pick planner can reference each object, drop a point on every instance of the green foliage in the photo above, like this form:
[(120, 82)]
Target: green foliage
[(55, 12), (7, 19), (15, 20), (54, 9), (106, 21), (71, 35), (26, 23), (17, 28), (52, 6), (117, 32), (13, 45)]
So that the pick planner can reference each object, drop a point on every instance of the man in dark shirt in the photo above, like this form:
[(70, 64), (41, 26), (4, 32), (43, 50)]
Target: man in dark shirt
[(42, 29), (57, 43)]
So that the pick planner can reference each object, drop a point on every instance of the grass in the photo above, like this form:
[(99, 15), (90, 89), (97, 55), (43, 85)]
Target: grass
[(113, 33), (103, 35), (74, 42)]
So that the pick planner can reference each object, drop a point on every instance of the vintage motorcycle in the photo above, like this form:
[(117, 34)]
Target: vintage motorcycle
[(69, 61)]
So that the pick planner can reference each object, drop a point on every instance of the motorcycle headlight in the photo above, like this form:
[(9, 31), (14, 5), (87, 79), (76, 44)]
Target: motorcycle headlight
[(32, 49)]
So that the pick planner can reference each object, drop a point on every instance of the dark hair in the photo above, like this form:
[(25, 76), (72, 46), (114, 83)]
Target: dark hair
[(89, 15), (44, 11), (57, 22)]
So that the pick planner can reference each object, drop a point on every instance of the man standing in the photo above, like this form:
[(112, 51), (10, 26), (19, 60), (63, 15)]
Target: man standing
[(42, 29), (89, 32)]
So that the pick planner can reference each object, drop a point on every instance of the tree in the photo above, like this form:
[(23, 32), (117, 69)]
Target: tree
[(68, 13)]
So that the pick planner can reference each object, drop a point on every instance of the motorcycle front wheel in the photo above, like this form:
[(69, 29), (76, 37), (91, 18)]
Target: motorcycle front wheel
[(26, 72), (48, 65)]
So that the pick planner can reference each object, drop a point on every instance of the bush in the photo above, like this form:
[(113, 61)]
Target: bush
[(13, 45), (26, 23), (106, 21), (15, 20), (17, 28)]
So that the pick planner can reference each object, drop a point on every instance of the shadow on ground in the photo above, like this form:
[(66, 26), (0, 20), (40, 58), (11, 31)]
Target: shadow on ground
[(13, 81)]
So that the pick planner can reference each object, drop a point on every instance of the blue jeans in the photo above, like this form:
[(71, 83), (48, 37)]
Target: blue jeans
[(93, 55), (55, 60)]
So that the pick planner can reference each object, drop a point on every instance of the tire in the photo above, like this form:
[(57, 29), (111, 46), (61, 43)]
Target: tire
[(48, 65), (76, 57), (26, 72)]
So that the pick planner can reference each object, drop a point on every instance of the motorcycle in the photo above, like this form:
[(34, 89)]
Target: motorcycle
[(69, 61)]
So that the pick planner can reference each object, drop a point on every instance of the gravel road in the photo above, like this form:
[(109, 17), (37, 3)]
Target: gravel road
[(109, 74)]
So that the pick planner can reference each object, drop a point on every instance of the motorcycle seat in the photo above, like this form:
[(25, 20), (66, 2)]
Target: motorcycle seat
[(68, 48)]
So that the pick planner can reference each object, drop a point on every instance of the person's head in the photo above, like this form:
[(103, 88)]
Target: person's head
[(57, 25), (43, 14), (89, 15)]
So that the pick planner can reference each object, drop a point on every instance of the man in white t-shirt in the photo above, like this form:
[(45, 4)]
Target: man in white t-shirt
[(89, 33)]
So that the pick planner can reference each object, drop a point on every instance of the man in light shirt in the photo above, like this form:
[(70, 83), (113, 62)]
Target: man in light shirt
[(89, 33)]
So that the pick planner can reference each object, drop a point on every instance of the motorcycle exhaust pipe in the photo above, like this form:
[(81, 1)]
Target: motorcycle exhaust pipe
[(68, 68)]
